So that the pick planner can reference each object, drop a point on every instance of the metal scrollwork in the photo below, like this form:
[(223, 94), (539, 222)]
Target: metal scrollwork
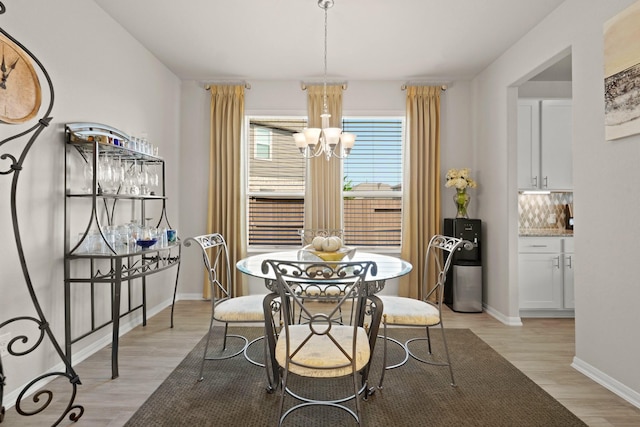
[(21, 345)]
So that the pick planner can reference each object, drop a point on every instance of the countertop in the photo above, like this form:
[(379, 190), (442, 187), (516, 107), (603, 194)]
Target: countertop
[(545, 232)]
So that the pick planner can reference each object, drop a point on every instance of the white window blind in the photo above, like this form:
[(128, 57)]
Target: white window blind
[(275, 185), (372, 182), (372, 212)]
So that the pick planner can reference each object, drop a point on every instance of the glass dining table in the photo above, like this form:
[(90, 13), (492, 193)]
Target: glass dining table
[(388, 267)]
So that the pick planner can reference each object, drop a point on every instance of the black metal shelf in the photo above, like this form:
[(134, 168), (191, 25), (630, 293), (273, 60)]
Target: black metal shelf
[(109, 267)]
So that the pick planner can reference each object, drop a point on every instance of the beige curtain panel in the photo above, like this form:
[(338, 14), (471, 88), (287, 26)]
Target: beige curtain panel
[(226, 213), (421, 194), (323, 190)]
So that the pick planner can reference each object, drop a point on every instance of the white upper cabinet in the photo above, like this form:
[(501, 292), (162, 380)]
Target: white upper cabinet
[(528, 144), (556, 161), (544, 145)]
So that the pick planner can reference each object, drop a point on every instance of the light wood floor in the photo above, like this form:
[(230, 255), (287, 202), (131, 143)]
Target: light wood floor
[(543, 349)]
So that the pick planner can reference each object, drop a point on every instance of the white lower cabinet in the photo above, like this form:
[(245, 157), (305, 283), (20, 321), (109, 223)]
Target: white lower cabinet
[(545, 275), (569, 260)]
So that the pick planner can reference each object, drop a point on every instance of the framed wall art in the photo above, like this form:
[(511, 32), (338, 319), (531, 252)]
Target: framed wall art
[(622, 73)]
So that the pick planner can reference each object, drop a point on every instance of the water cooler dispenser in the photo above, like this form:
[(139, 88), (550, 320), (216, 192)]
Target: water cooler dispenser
[(463, 288)]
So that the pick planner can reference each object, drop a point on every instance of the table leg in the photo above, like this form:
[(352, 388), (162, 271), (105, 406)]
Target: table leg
[(375, 307)]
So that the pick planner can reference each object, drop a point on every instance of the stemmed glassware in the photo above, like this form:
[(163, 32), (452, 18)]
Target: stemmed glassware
[(155, 180), (118, 174), (87, 173), (133, 179), (105, 174)]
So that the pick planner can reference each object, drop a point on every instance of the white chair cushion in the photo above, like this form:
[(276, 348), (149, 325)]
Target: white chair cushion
[(321, 352), (240, 309), (409, 311)]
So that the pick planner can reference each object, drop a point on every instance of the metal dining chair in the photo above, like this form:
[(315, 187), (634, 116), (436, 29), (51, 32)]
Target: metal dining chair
[(425, 312), (225, 306), (323, 348)]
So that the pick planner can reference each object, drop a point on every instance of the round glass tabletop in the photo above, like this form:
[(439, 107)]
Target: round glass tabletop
[(389, 267)]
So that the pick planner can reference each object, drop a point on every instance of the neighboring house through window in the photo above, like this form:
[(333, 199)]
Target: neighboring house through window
[(262, 145), (372, 186)]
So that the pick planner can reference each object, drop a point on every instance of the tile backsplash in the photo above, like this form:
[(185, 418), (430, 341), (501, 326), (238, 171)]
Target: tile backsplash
[(535, 211)]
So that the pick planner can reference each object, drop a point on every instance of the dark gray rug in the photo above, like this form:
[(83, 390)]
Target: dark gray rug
[(490, 392)]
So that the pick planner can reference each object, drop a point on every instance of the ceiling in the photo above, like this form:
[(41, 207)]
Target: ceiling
[(432, 40)]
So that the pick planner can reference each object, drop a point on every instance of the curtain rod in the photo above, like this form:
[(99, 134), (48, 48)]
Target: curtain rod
[(443, 85), (207, 85), (304, 85)]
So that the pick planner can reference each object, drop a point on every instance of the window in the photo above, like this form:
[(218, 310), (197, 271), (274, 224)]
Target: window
[(372, 189), (275, 189), (372, 208), (262, 147)]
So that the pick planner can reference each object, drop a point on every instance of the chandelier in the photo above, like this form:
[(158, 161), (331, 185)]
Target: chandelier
[(332, 142)]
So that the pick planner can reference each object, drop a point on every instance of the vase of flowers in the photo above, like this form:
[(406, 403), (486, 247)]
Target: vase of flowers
[(460, 179)]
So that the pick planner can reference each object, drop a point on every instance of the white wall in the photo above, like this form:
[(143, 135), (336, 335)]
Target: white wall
[(606, 290), (100, 74), (368, 98)]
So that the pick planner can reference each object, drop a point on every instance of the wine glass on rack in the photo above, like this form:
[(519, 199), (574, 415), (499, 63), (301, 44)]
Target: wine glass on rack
[(133, 179), (155, 180), (105, 174), (144, 180), (118, 174), (87, 173)]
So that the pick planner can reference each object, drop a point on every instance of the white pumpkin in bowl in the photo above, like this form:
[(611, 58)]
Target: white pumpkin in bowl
[(317, 243), (332, 244)]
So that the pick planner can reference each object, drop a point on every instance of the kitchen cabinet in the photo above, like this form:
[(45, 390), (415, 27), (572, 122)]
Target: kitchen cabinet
[(528, 144), (544, 145), (568, 259), (114, 189), (545, 276)]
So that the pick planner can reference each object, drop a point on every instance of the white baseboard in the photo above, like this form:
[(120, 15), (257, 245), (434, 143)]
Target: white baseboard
[(611, 384), (553, 313), (188, 297), (507, 320)]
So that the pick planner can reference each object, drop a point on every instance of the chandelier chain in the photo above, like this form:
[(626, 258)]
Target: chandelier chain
[(325, 108)]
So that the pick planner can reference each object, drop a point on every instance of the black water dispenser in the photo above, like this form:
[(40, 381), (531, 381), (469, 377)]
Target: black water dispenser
[(463, 288)]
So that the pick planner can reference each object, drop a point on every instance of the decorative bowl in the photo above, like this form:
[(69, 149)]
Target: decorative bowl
[(339, 255), (146, 243)]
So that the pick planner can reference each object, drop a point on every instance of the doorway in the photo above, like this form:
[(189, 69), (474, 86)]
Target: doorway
[(545, 191)]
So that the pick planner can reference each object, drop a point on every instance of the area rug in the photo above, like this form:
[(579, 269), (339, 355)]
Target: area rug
[(490, 392)]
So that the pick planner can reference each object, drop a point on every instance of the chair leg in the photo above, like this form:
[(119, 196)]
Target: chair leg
[(356, 396), (224, 341), (206, 348), (283, 393), (446, 350), (386, 340)]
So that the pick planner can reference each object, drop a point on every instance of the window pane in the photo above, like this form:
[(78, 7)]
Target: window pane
[(375, 162), (262, 137), (372, 221), (275, 221), (372, 213), (276, 175), (285, 171)]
